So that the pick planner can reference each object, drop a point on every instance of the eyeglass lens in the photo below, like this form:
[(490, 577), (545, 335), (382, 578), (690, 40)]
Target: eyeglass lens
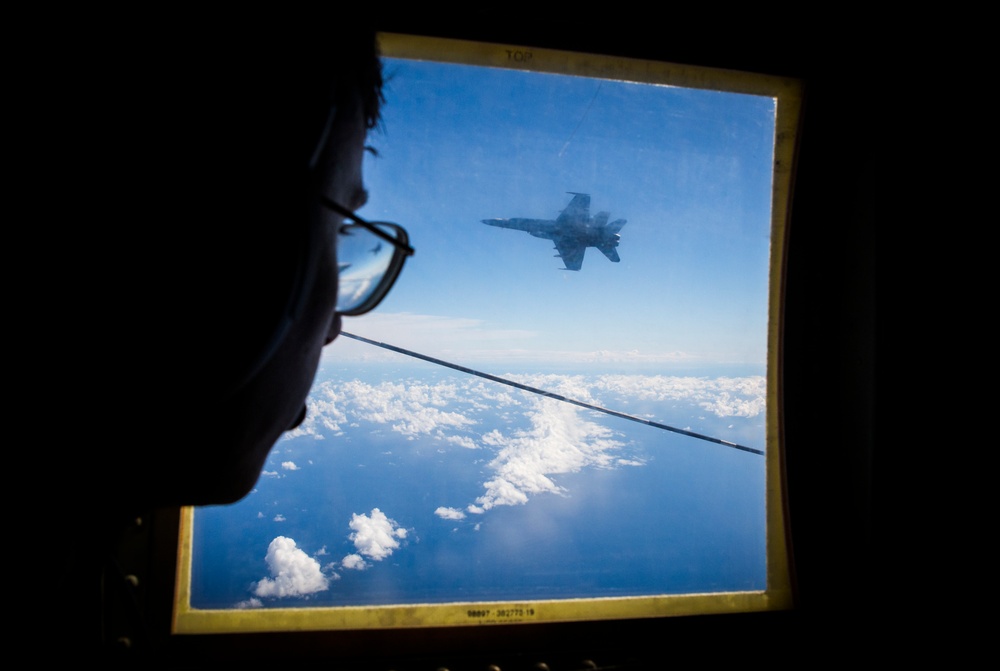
[(363, 260)]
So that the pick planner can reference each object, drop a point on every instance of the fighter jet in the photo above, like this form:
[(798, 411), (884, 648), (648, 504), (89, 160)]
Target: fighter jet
[(573, 231)]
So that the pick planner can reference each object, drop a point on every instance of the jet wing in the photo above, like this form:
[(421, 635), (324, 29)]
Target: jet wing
[(571, 252), (610, 252), (578, 210)]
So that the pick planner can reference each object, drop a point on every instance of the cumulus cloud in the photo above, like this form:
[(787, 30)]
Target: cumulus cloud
[(493, 438), (727, 405), (449, 513), (324, 414), (462, 441), (412, 408), (559, 441), (561, 438), (723, 396), (375, 536), (293, 572), (449, 409), (289, 466), (354, 562), (252, 602)]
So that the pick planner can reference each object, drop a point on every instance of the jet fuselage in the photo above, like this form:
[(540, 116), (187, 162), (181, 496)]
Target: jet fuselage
[(572, 232)]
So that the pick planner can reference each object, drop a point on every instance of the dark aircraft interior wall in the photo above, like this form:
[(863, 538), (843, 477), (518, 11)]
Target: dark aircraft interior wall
[(837, 538)]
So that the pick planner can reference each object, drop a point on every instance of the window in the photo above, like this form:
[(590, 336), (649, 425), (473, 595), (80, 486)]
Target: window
[(608, 231)]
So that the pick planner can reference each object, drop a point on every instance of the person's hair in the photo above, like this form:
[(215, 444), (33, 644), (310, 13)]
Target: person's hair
[(362, 72)]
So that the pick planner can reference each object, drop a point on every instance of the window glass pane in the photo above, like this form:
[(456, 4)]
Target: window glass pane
[(608, 241)]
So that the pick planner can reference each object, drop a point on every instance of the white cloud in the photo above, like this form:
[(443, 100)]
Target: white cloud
[(376, 536), (324, 412), (502, 492), (493, 438), (355, 562), (289, 466), (293, 572), (279, 518), (411, 408), (449, 513), (562, 437), (559, 441), (462, 441), (723, 396), (449, 409), (725, 405), (630, 462), (252, 602)]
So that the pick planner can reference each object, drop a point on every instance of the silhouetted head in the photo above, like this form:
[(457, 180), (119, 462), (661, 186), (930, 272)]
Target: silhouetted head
[(221, 288)]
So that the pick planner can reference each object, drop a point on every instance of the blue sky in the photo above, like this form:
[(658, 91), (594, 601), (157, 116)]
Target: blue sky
[(689, 170)]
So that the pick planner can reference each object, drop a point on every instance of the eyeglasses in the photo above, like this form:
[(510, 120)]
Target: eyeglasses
[(367, 265)]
